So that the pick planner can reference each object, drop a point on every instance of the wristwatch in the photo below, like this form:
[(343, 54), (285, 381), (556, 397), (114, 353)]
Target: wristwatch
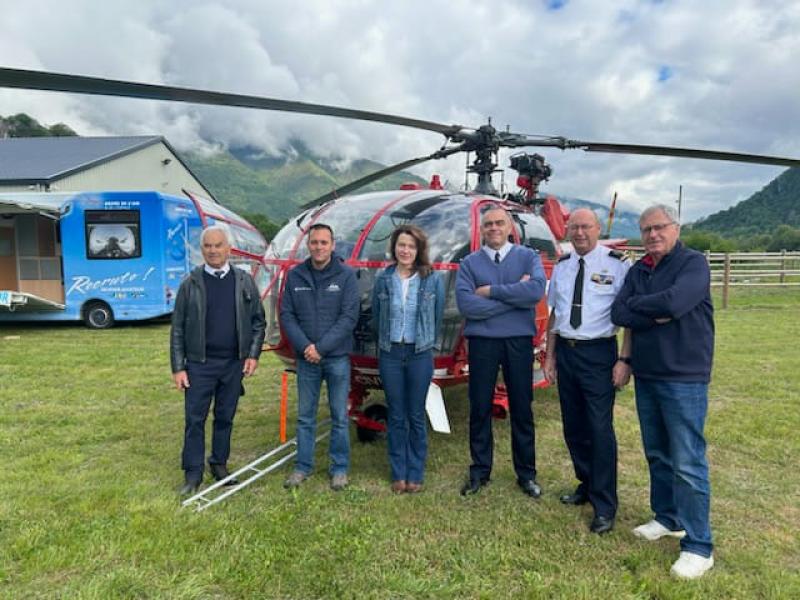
[(625, 359)]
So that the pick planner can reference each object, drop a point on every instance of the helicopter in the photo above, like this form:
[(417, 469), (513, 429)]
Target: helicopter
[(363, 222)]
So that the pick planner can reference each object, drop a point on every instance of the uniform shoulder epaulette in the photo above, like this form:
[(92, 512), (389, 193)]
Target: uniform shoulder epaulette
[(564, 257), (617, 254)]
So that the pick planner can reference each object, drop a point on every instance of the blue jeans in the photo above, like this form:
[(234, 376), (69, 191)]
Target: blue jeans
[(672, 416), (335, 371), (406, 376)]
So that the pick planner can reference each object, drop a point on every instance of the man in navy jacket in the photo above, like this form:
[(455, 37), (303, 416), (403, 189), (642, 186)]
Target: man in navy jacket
[(319, 311), (666, 303)]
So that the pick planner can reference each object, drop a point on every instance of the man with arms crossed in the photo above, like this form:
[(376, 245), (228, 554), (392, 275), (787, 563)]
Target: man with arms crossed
[(497, 289), (319, 311), (666, 302), (216, 338), (582, 358)]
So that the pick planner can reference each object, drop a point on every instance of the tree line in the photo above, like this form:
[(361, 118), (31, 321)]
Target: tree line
[(784, 237)]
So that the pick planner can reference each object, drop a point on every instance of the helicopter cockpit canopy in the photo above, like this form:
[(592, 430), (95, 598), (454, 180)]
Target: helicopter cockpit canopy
[(362, 227)]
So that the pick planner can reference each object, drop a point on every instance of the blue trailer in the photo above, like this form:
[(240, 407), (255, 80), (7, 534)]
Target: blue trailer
[(102, 257)]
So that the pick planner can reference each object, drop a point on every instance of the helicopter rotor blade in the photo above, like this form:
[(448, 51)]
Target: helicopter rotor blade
[(358, 183), (79, 84), (517, 141)]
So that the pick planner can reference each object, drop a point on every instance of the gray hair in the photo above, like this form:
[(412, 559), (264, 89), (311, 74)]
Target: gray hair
[(594, 214), (492, 206), (668, 212), (223, 230)]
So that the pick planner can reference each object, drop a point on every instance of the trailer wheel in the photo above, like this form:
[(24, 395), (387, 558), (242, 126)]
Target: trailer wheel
[(376, 412), (98, 315)]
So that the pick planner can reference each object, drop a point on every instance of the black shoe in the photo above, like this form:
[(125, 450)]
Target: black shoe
[(191, 485), (530, 487), (576, 499), (602, 524), (473, 486), (220, 472)]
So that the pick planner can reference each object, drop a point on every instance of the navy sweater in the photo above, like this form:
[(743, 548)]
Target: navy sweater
[(510, 309), (222, 340), (678, 288)]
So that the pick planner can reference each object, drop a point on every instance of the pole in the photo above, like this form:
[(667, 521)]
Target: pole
[(726, 280), (611, 215), (284, 402), (783, 266)]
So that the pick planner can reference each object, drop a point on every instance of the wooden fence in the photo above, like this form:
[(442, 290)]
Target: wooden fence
[(753, 269), (750, 269)]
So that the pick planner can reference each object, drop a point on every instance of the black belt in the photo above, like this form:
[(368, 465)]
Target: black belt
[(595, 341)]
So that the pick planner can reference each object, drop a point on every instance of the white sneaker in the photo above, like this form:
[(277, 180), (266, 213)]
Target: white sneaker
[(691, 566), (653, 530)]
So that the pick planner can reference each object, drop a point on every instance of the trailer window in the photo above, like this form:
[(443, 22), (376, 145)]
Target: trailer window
[(113, 234)]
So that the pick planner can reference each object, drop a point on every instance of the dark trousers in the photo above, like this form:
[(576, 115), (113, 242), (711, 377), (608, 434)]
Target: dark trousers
[(587, 396), (515, 356), (220, 378)]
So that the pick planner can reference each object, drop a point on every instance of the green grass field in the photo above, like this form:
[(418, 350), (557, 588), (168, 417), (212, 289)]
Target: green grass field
[(91, 433)]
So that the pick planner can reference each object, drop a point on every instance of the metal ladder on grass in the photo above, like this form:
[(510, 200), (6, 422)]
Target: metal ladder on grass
[(250, 473)]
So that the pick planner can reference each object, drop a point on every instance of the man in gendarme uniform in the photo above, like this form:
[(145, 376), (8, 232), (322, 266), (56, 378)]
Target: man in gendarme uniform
[(582, 357)]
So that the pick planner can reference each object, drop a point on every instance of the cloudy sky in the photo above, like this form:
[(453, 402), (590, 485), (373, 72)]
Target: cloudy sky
[(720, 74)]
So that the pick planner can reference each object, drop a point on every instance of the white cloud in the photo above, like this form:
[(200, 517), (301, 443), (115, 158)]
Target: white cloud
[(589, 70)]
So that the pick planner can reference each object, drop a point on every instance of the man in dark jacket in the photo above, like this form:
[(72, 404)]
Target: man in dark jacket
[(319, 311), (666, 303), (216, 338)]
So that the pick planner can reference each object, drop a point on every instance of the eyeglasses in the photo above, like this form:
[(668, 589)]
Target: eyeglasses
[(658, 228)]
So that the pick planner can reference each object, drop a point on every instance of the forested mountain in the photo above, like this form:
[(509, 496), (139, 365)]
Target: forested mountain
[(775, 205), (248, 181)]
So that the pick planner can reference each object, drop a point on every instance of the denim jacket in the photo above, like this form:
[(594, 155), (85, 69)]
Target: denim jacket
[(430, 308)]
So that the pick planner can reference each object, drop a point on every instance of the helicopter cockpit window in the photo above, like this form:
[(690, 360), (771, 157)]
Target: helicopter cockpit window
[(448, 227), (348, 219), (248, 240), (445, 220), (534, 233), (281, 245), (376, 244)]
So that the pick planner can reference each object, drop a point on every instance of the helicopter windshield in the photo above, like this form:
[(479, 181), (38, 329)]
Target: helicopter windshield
[(534, 233), (444, 218), (348, 219)]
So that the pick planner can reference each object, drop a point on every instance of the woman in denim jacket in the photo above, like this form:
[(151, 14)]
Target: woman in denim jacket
[(407, 308)]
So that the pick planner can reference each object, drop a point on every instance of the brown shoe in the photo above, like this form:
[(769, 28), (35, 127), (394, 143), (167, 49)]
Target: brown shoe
[(413, 487), (399, 486)]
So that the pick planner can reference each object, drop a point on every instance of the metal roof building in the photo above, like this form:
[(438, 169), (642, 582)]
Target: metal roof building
[(94, 163)]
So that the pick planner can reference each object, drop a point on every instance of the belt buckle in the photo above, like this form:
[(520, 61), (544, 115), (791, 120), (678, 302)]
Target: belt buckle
[(572, 343)]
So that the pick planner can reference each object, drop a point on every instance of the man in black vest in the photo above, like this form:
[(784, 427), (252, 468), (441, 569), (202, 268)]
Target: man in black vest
[(216, 339)]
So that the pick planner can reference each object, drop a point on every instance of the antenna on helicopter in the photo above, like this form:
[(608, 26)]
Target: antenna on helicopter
[(611, 211)]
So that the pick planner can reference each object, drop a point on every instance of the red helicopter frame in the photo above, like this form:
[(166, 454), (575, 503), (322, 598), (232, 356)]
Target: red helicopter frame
[(362, 225)]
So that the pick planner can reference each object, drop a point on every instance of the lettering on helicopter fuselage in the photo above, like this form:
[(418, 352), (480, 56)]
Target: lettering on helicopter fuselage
[(369, 381)]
